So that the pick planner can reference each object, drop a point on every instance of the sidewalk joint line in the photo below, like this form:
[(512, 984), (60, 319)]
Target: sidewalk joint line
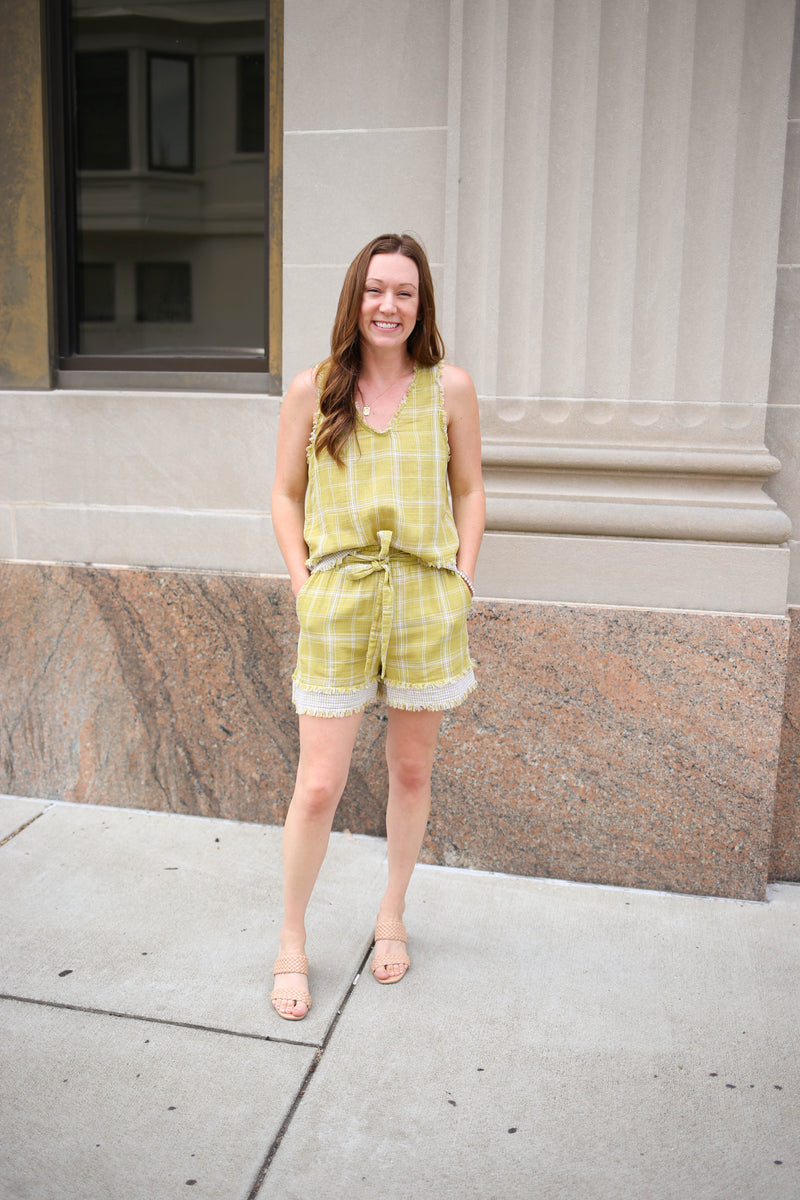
[(22, 828), (273, 1150), (122, 1016)]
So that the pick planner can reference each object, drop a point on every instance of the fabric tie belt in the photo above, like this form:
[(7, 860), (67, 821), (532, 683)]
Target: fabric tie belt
[(360, 564)]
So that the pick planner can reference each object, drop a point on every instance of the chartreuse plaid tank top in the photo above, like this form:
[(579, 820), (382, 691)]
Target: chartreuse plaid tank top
[(393, 480)]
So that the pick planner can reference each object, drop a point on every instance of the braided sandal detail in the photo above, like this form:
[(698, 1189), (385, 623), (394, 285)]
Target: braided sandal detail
[(287, 964), (395, 931)]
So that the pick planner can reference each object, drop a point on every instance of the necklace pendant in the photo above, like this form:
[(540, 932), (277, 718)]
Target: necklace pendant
[(365, 409)]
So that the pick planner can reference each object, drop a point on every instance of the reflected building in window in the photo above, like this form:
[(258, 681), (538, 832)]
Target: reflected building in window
[(169, 177)]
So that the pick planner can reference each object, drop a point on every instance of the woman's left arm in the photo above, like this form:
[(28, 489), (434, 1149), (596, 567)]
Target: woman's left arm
[(464, 472)]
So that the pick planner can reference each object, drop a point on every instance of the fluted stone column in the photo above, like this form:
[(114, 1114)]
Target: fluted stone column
[(783, 413), (613, 204)]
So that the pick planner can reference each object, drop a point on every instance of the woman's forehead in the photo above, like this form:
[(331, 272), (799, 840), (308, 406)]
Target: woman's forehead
[(397, 268)]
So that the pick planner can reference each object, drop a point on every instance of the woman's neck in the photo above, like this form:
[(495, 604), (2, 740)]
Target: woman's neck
[(378, 368)]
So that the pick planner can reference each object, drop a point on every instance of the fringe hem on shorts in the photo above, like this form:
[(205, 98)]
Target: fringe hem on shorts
[(329, 702), (423, 697)]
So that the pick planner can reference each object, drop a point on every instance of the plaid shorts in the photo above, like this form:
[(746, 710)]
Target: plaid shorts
[(381, 623)]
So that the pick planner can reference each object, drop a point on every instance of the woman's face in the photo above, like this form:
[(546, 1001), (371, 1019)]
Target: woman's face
[(390, 303)]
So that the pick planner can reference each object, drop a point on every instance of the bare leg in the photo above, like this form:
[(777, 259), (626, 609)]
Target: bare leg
[(410, 748), (326, 746)]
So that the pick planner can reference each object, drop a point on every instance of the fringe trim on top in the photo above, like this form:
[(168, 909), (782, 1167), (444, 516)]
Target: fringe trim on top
[(441, 407)]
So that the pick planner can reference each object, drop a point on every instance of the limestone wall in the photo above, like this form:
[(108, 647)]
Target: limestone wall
[(599, 187), (783, 413)]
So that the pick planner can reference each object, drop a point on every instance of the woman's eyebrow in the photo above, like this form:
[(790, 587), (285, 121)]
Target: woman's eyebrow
[(373, 279)]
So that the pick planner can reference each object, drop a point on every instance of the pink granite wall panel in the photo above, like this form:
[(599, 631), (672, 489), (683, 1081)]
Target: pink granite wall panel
[(157, 689), (785, 863), (620, 746)]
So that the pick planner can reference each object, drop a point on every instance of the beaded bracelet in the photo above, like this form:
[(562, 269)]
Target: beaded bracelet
[(467, 580)]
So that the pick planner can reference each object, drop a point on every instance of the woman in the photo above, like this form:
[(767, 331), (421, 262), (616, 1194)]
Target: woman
[(378, 509)]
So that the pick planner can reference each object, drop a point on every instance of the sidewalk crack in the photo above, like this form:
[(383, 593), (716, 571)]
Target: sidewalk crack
[(22, 828), (172, 1024), (273, 1150)]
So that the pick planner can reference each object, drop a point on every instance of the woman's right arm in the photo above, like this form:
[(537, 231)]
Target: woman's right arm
[(291, 475)]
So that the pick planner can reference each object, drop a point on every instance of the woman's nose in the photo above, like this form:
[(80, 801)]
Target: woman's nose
[(388, 302)]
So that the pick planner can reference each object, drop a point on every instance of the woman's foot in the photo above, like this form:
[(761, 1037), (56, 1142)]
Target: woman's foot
[(390, 961), (290, 996)]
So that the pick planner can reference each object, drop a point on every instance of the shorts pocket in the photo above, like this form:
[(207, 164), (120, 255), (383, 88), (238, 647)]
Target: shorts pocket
[(464, 587), (302, 593)]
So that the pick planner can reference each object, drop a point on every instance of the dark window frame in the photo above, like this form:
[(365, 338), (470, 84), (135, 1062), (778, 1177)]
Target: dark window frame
[(139, 370)]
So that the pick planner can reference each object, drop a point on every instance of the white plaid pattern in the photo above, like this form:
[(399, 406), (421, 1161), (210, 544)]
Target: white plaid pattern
[(346, 656), (384, 611), (395, 480)]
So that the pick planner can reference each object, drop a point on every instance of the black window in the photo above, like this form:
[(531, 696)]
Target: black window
[(250, 104), (170, 97), (161, 155), (101, 92)]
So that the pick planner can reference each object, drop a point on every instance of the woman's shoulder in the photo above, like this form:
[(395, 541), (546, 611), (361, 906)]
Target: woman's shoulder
[(455, 377), (299, 406), (302, 392), (305, 382), (456, 383)]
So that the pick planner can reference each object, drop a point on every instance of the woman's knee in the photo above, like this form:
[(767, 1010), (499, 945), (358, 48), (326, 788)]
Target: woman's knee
[(410, 748), (317, 794), (410, 772)]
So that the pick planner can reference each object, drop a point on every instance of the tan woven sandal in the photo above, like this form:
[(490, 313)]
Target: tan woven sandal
[(287, 964), (394, 931)]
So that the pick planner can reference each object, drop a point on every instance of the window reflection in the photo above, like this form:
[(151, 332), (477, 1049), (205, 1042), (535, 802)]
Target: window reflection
[(101, 82), (171, 119), (170, 177)]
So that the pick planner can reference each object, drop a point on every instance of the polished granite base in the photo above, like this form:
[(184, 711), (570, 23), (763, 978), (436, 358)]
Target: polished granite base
[(623, 746), (785, 861)]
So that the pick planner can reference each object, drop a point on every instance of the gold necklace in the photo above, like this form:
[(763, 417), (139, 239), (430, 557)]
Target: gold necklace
[(366, 408)]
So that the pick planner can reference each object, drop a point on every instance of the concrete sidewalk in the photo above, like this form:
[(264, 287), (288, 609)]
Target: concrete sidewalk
[(551, 1040)]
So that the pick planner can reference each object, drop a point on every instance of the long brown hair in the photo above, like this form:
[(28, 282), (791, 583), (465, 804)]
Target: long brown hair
[(340, 370)]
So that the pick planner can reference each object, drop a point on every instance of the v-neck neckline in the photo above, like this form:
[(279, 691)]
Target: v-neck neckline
[(398, 410)]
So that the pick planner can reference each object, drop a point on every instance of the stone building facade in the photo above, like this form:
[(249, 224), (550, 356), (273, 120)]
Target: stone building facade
[(608, 191)]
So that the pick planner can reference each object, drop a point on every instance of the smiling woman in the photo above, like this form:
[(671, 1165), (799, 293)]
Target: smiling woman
[(359, 308), (378, 508)]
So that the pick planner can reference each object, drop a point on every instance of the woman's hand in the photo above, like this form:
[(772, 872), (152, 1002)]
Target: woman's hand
[(298, 580)]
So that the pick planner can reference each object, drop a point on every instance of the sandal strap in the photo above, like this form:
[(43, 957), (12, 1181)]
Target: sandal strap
[(290, 964), (399, 960), (387, 929), (284, 993)]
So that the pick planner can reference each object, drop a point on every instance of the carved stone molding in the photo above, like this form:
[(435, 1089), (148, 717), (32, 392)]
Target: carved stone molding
[(669, 492)]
